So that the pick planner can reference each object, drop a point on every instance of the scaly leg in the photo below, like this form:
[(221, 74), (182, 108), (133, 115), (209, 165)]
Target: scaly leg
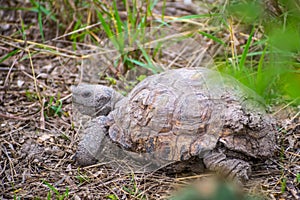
[(232, 168), (91, 145)]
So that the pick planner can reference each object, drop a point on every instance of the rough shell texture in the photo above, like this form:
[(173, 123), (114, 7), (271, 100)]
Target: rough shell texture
[(186, 112)]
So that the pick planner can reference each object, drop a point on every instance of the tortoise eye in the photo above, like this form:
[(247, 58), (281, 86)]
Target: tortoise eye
[(86, 94), (103, 99)]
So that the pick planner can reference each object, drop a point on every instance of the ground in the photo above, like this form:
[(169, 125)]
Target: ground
[(38, 137)]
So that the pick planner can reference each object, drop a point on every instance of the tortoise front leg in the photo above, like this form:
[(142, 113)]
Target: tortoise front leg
[(90, 147), (232, 168)]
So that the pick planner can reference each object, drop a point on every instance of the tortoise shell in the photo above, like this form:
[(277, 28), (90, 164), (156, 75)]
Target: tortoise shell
[(185, 112)]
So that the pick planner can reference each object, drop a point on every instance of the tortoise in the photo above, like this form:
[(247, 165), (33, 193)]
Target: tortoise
[(177, 115)]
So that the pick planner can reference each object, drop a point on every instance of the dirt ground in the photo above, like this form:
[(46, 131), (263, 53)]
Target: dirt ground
[(38, 140)]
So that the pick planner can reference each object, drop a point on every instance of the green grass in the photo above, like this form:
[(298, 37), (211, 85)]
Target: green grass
[(298, 178), (82, 177), (133, 189), (53, 107), (112, 197), (57, 195), (267, 64), (272, 71), (283, 184), (125, 34)]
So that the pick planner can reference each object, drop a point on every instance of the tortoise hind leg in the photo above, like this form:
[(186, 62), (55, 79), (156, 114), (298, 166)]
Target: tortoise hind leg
[(231, 168)]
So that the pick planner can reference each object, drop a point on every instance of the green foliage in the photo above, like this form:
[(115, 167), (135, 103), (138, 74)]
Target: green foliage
[(133, 189), (31, 96), (248, 11), (298, 178), (41, 10), (141, 77), (57, 194), (277, 71), (111, 80), (112, 197), (221, 191), (17, 198), (283, 184), (9, 55), (268, 65), (53, 108), (128, 35), (64, 136), (212, 37), (81, 177)]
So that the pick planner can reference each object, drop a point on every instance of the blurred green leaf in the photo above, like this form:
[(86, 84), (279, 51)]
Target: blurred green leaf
[(112, 197), (291, 84), (285, 39), (248, 11), (141, 77), (298, 178)]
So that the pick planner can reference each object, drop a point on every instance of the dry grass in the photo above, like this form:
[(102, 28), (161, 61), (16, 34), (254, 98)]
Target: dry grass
[(37, 147)]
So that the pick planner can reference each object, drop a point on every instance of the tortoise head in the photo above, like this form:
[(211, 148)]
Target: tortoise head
[(94, 100)]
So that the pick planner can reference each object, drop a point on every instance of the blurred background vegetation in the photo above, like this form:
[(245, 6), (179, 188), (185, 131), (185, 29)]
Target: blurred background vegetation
[(266, 61)]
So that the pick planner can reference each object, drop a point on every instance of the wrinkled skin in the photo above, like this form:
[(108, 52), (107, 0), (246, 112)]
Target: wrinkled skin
[(177, 115)]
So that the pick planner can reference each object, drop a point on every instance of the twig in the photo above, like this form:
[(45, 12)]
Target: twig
[(284, 107), (10, 69), (10, 116)]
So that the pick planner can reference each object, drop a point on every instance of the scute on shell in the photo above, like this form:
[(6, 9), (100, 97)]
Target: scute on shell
[(184, 112)]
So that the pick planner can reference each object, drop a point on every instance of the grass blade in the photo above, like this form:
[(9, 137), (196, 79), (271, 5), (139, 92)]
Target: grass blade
[(51, 187), (10, 54), (259, 74), (105, 25), (212, 37), (245, 52)]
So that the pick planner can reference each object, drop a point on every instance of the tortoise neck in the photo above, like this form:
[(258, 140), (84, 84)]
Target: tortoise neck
[(116, 98)]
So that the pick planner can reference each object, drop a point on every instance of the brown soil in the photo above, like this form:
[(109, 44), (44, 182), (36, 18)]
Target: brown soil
[(37, 146)]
